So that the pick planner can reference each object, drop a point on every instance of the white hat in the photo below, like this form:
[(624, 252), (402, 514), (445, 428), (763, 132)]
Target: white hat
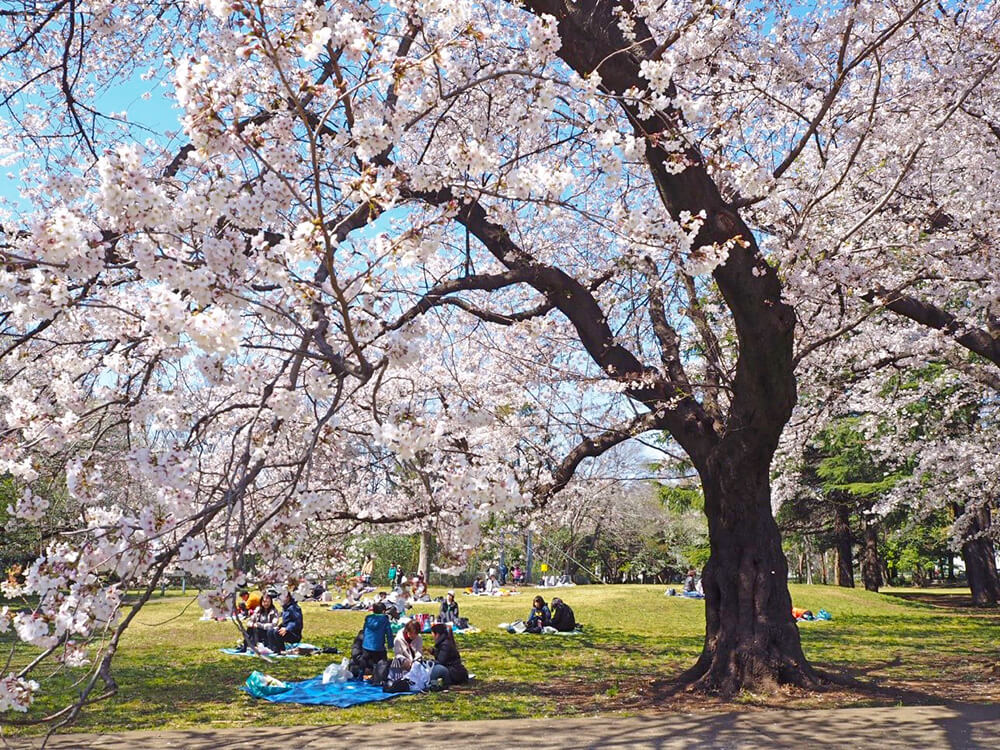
[(451, 592)]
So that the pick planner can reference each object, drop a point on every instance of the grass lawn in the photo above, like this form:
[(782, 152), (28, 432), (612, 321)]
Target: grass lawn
[(172, 675)]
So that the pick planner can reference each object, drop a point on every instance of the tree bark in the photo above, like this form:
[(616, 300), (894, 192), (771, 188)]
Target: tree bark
[(980, 560), (424, 561), (871, 566), (751, 639), (844, 542), (809, 567)]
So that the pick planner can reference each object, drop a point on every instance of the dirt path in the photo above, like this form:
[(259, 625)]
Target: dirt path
[(953, 727)]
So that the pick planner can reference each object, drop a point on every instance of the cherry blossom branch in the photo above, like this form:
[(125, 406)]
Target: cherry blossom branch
[(927, 314), (591, 447)]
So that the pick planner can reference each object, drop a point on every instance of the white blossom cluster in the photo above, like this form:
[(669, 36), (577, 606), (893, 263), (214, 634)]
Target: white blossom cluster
[(229, 339)]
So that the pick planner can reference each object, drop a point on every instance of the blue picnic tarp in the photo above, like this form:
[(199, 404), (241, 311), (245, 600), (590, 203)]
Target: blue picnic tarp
[(313, 692), (271, 655)]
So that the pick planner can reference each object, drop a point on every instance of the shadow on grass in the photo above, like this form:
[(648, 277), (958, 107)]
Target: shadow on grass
[(952, 727)]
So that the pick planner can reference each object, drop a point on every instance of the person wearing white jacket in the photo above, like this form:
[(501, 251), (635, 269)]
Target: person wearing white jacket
[(408, 646)]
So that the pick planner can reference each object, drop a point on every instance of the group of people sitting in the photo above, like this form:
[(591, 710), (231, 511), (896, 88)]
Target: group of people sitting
[(400, 598), (488, 587), (265, 626), (692, 587), (560, 617), (369, 652)]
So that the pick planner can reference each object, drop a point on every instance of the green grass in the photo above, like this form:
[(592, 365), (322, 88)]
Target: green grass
[(172, 675)]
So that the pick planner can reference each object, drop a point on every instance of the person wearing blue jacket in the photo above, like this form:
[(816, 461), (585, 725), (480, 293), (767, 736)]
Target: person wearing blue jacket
[(539, 617), (290, 629), (377, 640)]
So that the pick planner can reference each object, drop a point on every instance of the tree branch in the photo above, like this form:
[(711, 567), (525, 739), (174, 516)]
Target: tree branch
[(927, 314)]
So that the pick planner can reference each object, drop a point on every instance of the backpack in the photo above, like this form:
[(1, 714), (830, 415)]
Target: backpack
[(397, 670), (458, 673), (402, 685)]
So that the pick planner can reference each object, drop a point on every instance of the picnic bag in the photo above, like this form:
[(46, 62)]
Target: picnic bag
[(419, 675), (402, 685)]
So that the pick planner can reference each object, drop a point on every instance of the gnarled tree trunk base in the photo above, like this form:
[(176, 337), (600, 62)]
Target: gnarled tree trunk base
[(764, 670), (751, 639)]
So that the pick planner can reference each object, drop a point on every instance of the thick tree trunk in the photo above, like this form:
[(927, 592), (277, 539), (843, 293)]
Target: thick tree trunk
[(751, 639), (980, 560), (844, 542), (424, 559), (871, 566), (809, 567)]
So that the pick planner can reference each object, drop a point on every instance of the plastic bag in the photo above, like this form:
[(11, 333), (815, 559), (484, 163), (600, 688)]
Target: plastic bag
[(419, 675), (261, 684), (336, 672)]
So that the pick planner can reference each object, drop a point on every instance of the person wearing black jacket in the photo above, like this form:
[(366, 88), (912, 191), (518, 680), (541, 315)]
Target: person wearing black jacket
[(290, 629), (562, 616), (448, 663), (449, 609), (540, 616)]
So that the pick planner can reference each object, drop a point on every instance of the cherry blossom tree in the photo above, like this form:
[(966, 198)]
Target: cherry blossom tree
[(448, 240)]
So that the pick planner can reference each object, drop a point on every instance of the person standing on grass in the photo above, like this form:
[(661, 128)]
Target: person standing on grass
[(392, 574), (367, 568), (377, 639)]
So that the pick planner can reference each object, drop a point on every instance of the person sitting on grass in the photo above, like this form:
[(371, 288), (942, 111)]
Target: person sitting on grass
[(253, 601), (448, 665), (540, 616), (449, 609), (408, 646), (377, 639), (493, 585), (692, 586), (358, 663), (478, 587), (241, 609), (290, 630), (689, 582), (262, 627), (420, 589), (562, 616), (400, 600)]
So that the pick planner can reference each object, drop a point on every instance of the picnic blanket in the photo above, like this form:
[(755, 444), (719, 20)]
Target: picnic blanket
[(313, 692), (271, 654), (511, 627), (807, 616)]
